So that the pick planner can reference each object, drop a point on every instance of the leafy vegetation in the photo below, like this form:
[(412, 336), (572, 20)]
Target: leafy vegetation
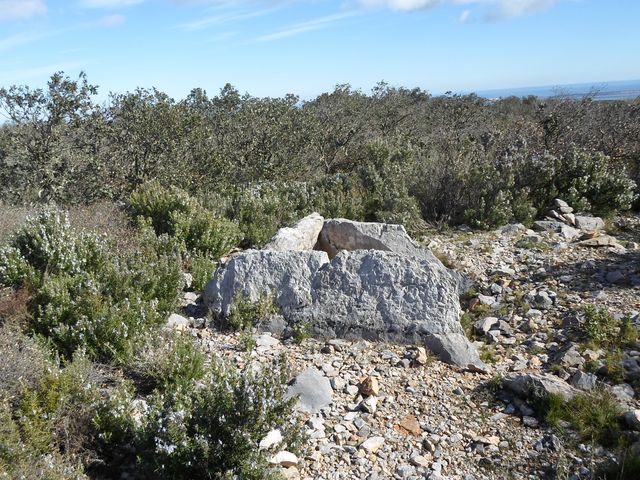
[(92, 386), (396, 155)]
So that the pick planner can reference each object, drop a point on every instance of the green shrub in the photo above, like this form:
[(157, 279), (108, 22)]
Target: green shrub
[(246, 314), (206, 430), (87, 296), (153, 201), (202, 232), (602, 329), (173, 212), (44, 433), (167, 362), (201, 267), (594, 416)]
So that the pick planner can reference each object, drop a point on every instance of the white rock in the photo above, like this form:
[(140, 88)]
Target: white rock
[(372, 444), (284, 459), (272, 438)]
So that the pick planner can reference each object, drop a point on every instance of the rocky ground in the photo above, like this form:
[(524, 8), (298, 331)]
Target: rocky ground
[(376, 410)]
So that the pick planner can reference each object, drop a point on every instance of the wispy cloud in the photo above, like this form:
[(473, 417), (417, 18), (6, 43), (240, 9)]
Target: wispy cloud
[(303, 27), (21, 74), (110, 20), (495, 9), (109, 3), (223, 18), (25, 38), (19, 9)]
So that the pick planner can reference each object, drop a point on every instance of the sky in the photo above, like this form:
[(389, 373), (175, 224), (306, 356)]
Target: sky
[(306, 47)]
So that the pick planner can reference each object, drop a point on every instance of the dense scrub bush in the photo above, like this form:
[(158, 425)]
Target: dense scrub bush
[(45, 430), (85, 295), (206, 430), (173, 212)]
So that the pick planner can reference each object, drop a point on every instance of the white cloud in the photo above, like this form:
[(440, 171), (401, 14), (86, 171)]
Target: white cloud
[(111, 20), (109, 3), (464, 16), (299, 28), (19, 39), (223, 18), (18, 9), (495, 9), (400, 5)]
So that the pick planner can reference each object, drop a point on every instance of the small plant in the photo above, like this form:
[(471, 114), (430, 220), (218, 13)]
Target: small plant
[(167, 362), (593, 416), (488, 354), (247, 314), (301, 331), (246, 342)]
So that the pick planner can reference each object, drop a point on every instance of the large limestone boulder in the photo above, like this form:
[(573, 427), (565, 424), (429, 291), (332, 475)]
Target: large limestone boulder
[(341, 234), (379, 295), (285, 275), (302, 236), (371, 294)]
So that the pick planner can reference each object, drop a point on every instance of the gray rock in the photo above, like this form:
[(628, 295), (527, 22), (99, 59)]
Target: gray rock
[(177, 321), (313, 389), (632, 418), (569, 233), (547, 226), (362, 294), (302, 236), (483, 325), (589, 223), (379, 295), (601, 241), (455, 348), (570, 357), (285, 275), (584, 381), (615, 277), (341, 234), (557, 202), (538, 384)]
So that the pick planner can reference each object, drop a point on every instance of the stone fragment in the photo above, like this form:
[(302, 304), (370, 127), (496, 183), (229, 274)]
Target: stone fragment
[(313, 389), (284, 459), (272, 438), (632, 417), (601, 241), (177, 321), (372, 444), (589, 223), (537, 385), (409, 424), (302, 236), (369, 386)]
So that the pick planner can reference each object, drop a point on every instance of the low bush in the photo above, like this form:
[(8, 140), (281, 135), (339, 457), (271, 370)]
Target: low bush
[(207, 430), (173, 212), (85, 295), (167, 362), (603, 330), (594, 416), (246, 314)]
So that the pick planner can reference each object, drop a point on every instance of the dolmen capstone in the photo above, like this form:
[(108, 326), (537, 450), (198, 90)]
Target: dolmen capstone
[(352, 280)]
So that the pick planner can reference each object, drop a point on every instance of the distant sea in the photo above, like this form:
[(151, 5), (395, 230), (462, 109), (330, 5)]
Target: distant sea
[(621, 90)]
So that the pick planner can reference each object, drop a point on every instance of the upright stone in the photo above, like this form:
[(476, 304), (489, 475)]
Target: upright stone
[(302, 236)]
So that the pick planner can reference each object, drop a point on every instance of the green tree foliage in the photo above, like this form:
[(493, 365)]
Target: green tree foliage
[(401, 154)]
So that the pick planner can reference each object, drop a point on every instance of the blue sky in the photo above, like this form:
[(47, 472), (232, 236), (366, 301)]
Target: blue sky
[(274, 47)]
